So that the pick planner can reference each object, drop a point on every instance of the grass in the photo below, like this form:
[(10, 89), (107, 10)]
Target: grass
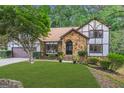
[(50, 75)]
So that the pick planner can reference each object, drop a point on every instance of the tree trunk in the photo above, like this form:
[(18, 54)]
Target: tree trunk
[(31, 60)]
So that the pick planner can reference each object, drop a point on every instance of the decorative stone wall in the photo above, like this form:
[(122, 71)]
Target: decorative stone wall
[(7, 83), (79, 42)]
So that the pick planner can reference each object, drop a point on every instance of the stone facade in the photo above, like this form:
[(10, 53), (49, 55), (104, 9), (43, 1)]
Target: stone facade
[(59, 46), (79, 42)]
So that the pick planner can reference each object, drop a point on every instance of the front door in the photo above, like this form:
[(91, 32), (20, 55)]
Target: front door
[(69, 47)]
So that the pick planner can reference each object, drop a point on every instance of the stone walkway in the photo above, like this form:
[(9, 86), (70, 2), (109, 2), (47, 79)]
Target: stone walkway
[(103, 79), (8, 61)]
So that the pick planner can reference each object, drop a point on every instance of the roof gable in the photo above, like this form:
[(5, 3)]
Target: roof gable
[(74, 31), (95, 20), (93, 25), (56, 33)]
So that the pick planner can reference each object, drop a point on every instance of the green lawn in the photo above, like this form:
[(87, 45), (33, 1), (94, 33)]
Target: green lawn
[(50, 75)]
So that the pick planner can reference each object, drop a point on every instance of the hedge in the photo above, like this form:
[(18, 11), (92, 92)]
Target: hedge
[(5, 53), (37, 55), (117, 61), (92, 60), (105, 64)]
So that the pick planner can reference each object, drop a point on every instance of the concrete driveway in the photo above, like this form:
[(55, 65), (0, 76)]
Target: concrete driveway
[(8, 61)]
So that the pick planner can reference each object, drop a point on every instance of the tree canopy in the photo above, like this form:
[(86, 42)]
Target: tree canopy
[(64, 16), (24, 24)]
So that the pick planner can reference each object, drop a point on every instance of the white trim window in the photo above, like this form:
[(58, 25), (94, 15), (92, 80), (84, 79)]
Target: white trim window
[(51, 48), (96, 34), (96, 48)]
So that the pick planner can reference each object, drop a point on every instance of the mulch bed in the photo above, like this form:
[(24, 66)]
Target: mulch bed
[(103, 78)]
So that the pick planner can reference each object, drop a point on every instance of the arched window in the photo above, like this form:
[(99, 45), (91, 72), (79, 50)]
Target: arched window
[(69, 47)]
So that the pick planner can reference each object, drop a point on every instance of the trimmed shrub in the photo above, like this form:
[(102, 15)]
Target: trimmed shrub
[(105, 64), (117, 61), (5, 53), (82, 53), (92, 60), (75, 59), (9, 53), (51, 56), (37, 55), (60, 56)]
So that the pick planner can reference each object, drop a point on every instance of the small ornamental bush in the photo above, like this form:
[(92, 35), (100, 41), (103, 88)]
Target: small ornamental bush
[(37, 55), (60, 56), (8, 54), (75, 59), (51, 56), (117, 61), (105, 64), (82, 53), (5, 53), (92, 60)]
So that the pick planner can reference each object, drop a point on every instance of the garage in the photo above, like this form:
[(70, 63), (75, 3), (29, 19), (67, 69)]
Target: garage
[(18, 52)]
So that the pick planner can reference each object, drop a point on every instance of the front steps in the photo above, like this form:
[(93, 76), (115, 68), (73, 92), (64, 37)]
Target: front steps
[(68, 57)]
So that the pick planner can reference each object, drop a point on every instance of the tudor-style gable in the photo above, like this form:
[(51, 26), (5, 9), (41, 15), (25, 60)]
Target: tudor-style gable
[(94, 25), (98, 33)]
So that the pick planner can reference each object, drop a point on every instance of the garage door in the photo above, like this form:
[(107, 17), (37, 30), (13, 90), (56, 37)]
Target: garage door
[(19, 52)]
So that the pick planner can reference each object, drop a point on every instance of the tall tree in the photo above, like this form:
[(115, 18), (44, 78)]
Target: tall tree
[(24, 24)]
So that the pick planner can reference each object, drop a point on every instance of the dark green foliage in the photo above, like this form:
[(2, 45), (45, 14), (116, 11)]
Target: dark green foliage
[(60, 56), (64, 16), (3, 42), (117, 41), (93, 60), (117, 61), (27, 17), (9, 53), (52, 56), (105, 64), (82, 53), (24, 24), (37, 55), (50, 75), (5, 53), (75, 59)]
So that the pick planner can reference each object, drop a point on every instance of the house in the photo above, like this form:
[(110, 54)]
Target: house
[(92, 37), (98, 33)]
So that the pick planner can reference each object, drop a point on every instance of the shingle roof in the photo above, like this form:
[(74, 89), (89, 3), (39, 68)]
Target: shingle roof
[(75, 30), (56, 33)]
